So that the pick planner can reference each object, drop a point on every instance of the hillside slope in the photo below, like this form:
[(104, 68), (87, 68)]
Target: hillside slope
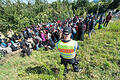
[(99, 60)]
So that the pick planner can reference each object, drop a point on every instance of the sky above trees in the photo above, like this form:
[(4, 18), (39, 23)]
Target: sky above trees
[(50, 1), (55, 0)]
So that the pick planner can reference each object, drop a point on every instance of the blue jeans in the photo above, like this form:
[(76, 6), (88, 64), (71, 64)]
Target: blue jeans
[(90, 31), (37, 46)]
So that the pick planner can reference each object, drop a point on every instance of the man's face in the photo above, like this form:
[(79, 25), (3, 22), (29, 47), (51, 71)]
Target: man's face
[(67, 36)]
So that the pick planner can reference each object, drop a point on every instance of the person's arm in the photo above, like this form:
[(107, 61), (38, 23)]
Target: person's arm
[(106, 18), (110, 17), (57, 44), (77, 46)]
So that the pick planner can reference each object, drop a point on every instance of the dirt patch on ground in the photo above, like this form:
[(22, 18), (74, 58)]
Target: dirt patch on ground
[(5, 59)]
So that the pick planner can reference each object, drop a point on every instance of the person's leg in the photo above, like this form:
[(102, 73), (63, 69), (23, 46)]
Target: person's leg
[(72, 36), (43, 43), (74, 64), (28, 51), (82, 36), (64, 62), (22, 54), (89, 34), (55, 40), (65, 70), (75, 67), (37, 46), (107, 23), (93, 31), (52, 44), (99, 26), (28, 54), (51, 41), (40, 44), (79, 35)]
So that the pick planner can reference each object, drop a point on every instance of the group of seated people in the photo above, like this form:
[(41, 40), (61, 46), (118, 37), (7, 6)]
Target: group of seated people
[(46, 35)]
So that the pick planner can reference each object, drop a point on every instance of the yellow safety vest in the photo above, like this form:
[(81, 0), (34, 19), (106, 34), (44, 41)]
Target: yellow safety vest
[(67, 49)]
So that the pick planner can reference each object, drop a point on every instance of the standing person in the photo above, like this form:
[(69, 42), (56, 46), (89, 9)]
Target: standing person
[(80, 25), (91, 27), (67, 48), (74, 19), (108, 18), (87, 23), (74, 32), (100, 21)]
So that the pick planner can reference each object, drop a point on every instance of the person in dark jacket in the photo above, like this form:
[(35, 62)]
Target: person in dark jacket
[(91, 27), (80, 25), (108, 18), (87, 23), (100, 21), (25, 51)]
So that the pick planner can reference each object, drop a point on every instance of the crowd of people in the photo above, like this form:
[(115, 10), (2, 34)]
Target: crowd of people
[(47, 34)]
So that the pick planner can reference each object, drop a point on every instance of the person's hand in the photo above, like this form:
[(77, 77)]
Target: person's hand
[(76, 54)]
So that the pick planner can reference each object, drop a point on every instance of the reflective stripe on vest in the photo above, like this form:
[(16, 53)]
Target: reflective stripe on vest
[(67, 49)]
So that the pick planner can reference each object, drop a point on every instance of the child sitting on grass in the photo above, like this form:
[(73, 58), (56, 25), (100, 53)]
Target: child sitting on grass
[(26, 51)]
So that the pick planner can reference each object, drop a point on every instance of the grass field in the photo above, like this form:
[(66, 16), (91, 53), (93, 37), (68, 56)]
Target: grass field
[(99, 60)]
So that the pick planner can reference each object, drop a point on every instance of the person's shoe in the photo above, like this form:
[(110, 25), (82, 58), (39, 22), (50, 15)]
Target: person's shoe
[(65, 71), (76, 69)]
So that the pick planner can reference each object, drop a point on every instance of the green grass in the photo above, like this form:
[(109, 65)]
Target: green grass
[(99, 60)]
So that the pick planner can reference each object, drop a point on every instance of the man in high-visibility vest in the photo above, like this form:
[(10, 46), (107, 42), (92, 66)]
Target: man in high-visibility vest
[(67, 48)]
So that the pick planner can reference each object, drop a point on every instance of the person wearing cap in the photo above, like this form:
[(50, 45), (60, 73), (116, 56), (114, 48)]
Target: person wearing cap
[(67, 48)]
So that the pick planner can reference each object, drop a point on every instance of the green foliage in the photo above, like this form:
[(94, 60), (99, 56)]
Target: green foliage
[(21, 15), (82, 3), (114, 4), (114, 26), (118, 8)]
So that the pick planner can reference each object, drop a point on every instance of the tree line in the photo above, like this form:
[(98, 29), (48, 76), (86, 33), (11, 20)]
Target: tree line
[(17, 15)]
